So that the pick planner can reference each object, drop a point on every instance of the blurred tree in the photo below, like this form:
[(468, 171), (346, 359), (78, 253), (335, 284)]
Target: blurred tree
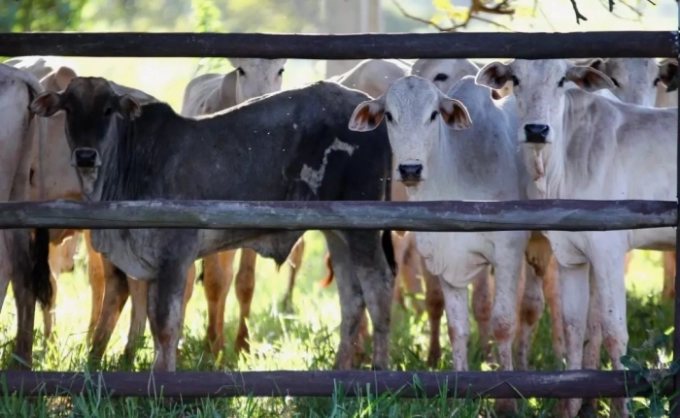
[(451, 17), (40, 15)]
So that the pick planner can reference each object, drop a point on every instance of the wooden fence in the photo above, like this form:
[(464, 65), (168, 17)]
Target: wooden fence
[(431, 216)]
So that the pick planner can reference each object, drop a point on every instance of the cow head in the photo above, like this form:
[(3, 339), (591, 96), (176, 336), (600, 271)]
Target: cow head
[(256, 77), (444, 73), (635, 78), (539, 87), (415, 111), (94, 113), (667, 69)]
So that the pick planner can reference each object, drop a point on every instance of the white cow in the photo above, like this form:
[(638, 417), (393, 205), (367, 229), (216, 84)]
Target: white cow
[(444, 73), (373, 76), (17, 264), (640, 81), (252, 77), (579, 145), (437, 154), (540, 280)]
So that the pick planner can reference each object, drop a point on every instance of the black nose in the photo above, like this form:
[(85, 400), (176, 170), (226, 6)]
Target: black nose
[(410, 172), (536, 134), (86, 157)]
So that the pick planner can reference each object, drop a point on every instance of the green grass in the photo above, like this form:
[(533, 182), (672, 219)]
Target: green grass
[(305, 340)]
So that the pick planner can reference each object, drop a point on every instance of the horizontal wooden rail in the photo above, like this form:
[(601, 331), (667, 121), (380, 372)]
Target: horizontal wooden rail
[(642, 44), (572, 384), (563, 215)]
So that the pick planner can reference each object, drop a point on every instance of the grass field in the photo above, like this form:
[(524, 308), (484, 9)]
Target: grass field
[(305, 340)]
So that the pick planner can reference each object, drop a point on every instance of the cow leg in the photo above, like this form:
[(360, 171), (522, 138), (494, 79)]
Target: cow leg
[(188, 291), (294, 262), (457, 316), (434, 303), (218, 273), (17, 265), (551, 290), (97, 279), (531, 309), (360, 357), (482, 304), (574, 281), (49, 316), (138, 298), (115, 296), (668, 292), (164, 304), (352, 303), (409, 270), (244, 287), (376, 281), (610, 281), (509, 270), (593, 343)]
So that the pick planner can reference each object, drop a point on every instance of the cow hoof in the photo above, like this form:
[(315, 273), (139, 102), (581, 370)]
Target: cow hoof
[(506, 408), (377, 368), (587, 411)]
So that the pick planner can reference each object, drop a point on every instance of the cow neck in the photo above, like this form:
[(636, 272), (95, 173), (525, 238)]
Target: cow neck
[(119, 178)]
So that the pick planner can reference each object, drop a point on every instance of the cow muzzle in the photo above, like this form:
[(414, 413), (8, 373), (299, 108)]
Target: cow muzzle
[(536, 133), (87, 163), (86, 158), (410, 174)]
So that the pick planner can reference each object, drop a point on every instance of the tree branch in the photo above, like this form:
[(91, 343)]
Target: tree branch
[(501, 8), (578, 14)]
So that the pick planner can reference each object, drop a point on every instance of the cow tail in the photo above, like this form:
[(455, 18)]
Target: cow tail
[(40, 272), (387, 245), (326, 281)]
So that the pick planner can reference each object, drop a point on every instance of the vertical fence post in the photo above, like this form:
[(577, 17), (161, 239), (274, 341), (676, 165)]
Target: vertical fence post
[(674, 404)]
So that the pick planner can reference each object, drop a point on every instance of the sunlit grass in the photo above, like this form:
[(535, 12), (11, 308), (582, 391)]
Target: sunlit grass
[(305, 340)]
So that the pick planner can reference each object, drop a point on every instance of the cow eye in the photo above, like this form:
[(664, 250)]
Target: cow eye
[(561, 82), (240, 71), (108, 111), (515, 81), (281, 71), (616, 83), (656, 81), (388, 115), (441, 77), (433, 116)]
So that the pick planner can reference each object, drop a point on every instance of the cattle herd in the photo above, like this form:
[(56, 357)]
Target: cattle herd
[(434, 129)]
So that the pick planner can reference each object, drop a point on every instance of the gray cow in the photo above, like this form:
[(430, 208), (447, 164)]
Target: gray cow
[(292, 145)]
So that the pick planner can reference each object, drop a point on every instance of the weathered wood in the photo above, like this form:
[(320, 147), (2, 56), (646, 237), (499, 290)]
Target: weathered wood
[(569, 384), (675, 401), (338, 47), (564, 215)]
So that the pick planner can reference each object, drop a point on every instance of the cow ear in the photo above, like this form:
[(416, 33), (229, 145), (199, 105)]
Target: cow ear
[(63, 76), (367, 116), (128, 107), (46, 104), (589, 79), (667, 70), (596, 63), (454, 113), (494, 75)]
